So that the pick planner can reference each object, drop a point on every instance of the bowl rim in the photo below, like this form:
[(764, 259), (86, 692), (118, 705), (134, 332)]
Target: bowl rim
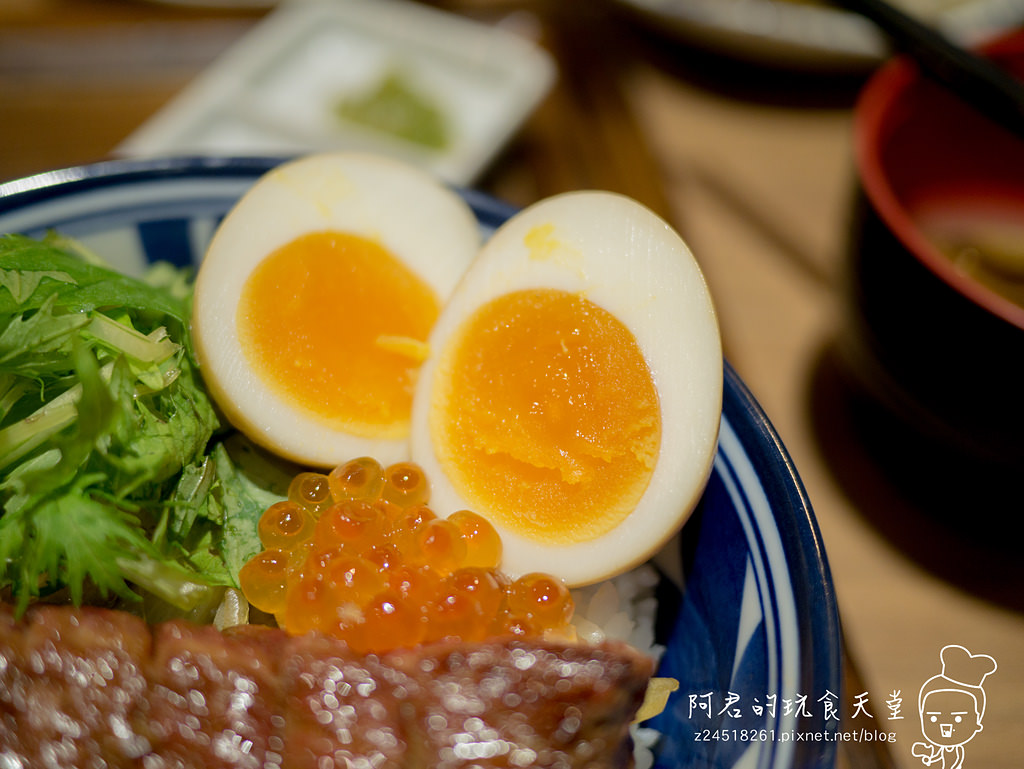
[(876, 102), (39, 187)]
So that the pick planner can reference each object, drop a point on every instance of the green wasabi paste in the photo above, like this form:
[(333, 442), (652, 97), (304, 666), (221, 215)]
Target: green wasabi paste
[(394, 107)]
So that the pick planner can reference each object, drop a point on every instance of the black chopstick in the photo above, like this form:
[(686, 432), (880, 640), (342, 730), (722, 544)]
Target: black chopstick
[(975, 79)]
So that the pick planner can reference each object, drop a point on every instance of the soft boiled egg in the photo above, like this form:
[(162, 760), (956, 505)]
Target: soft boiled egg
[(573, 396), (315, 298)]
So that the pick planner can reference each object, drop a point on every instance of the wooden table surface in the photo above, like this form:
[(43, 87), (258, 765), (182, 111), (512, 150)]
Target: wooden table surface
[(754, 167)]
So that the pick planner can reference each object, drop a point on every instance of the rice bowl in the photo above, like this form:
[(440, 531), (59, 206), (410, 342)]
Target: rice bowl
[(755, 612)]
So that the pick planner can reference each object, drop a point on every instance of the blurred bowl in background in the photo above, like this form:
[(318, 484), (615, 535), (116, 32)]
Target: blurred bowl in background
[(935, 326), (813, 35)]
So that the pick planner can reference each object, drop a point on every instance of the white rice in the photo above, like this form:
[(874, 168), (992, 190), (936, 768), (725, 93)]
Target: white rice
[(624, 608)]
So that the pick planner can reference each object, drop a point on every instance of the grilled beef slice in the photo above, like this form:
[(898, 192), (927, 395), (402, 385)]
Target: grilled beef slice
[(99, 689), (69, 684), (211, 699), (517, 704), (342, 709)]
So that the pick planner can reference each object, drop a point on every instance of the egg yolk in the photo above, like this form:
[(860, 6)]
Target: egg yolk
[(547, 415), (337, 324)]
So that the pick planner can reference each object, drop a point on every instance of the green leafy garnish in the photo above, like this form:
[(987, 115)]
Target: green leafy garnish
[(112, 476)]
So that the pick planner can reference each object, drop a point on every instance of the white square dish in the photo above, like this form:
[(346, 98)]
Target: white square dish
[(279, 89)]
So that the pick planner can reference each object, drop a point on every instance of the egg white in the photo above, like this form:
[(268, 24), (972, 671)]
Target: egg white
[(423, 223), (624, 258)]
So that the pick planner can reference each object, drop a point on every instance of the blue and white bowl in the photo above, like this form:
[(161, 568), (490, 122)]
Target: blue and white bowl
[(755, 628)]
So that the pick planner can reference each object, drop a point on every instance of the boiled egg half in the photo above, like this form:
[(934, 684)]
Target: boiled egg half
[(574, 391), (315, 298)]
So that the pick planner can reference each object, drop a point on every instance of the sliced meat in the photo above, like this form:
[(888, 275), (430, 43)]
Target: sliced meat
[(342, 709), (517, 704), (69, 683), (92, 689), (212, 700)]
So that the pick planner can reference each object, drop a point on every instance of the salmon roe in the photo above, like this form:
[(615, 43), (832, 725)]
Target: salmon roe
[(358, 553)]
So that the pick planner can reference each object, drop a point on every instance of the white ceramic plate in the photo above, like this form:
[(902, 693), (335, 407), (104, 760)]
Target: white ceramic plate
[(276, 91), (815, 36)]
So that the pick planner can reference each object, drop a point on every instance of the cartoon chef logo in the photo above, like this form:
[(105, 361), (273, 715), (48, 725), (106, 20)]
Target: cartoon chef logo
[(951, 705)]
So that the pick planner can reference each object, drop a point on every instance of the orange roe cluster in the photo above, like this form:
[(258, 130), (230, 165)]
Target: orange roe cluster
[(357, 553)]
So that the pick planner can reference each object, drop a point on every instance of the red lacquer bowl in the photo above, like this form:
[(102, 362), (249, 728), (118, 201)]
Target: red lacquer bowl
[(937, 347)]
